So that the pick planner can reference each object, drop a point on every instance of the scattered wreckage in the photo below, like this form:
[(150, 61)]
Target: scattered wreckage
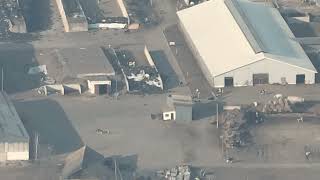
[(11, 18), (236, 122), (186, 172), (139, 78), (103, 131), (181, 172), (235, 132)]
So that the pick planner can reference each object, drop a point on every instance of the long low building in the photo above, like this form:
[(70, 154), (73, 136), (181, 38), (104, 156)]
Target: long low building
[(243, 43), (14, 139)]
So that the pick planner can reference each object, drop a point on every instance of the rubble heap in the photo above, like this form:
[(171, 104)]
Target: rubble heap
[(177, 173), (10, 16), (141, 78), (235, 130), (279, 104)]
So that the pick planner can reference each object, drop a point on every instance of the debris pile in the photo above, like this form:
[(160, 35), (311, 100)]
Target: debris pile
[(10, 16), (181, 172), (281, 104), (141, 11), (235, 128), (145, 74), (103, 131), (141, 78)]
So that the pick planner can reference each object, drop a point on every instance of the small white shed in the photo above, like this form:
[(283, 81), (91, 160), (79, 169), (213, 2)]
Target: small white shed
[(178, 108)]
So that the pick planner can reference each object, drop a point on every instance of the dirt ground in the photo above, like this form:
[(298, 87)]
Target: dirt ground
[(172, 143), (281, 139)]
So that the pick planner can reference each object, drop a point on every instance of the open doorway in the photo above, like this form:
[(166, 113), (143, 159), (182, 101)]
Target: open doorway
[(260, 78), (172, 116), (300, 79), (228, 81), (101, 89)]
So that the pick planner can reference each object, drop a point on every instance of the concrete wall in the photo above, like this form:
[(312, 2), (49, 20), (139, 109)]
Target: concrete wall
[(3, 156), (91, 85), (167, 115), (125, 80), (276, 70), (14, 156), (81, 25), (18, 25), (72, 88), (14, 151), (148, 57), (63, 15), (196, 55), (183, 113), (303, 18), (107, 26), (134, 26), (151, 63), (53, 89)]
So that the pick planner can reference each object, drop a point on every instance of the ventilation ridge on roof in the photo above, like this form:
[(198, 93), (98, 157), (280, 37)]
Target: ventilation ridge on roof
[(245, 26)]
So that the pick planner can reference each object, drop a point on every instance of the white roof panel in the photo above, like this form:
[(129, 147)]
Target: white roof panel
[(212, 27), (230, 34)]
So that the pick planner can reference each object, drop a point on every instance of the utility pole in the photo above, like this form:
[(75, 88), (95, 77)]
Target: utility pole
[(222, 146), (217, 114), (115, 169), (2, 78), (36, 140), (116, 94)]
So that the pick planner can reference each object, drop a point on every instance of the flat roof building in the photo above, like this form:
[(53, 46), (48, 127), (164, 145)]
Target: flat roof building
[(178, 108), (90, 64), (241, 43), (14, 139)]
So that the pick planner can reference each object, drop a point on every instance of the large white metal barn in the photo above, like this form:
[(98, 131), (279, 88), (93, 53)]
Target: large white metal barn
[(242, 43), (14, 139)]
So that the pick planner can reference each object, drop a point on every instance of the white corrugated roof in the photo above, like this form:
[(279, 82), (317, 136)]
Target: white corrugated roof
[(11, 127), (230, 34)]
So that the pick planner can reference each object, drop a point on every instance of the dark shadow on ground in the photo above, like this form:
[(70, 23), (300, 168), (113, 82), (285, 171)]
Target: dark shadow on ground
[(15, 63), (126, 164), (168, 75), (112, 58), (303, 29), (201, 110), (187, 62), (117, 85), (19, 37), (315, 59), (291, 12), (47, 118), (91, 9), (306, 107), (37, 14), (142, 12)]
